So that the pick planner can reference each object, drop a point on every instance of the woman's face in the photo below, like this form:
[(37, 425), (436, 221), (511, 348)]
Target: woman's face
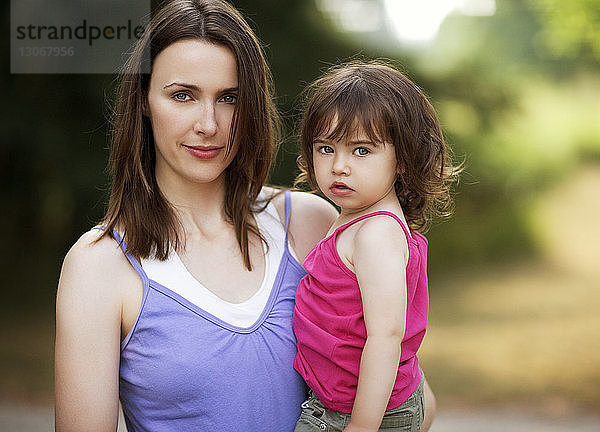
[(191, 99)]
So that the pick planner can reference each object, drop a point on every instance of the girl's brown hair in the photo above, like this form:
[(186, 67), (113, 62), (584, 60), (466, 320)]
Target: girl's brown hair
[(136, 205), (390, 108)]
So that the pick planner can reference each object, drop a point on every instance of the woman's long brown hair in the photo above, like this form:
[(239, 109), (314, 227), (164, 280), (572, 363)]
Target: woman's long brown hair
[(136, 207)]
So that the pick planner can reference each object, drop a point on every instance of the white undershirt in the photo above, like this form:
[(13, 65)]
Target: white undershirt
[(173, 274)]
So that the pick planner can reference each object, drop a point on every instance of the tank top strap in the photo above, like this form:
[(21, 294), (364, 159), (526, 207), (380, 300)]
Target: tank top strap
[(132, 260), (368, 215), (288, 208), (287, 195)]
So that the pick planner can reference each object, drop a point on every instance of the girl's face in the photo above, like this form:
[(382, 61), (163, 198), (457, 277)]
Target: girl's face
[(355, 172), (191, 100)]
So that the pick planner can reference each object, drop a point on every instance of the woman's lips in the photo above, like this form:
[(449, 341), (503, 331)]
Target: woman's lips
[(204, 152), (340, 189)]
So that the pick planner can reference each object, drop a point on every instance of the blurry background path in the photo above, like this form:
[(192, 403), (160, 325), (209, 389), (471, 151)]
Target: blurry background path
[(20, 419)]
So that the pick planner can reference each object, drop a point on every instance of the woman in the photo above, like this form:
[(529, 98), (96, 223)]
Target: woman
[(180, 304)]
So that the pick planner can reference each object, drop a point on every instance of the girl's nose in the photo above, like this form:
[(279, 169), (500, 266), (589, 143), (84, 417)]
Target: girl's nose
[(340, 165), (206, 121)]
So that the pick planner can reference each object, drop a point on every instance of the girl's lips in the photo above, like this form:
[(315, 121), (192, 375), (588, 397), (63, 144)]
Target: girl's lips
[(340, 189), (204, 152)]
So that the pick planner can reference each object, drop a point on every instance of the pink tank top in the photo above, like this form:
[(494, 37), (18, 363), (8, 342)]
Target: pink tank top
[(330, 329)]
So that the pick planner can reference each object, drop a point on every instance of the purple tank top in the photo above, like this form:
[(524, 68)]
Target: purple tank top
[(183, 369)]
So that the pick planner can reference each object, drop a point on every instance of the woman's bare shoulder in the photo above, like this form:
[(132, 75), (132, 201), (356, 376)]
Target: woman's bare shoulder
[(92, 251), (272, 192), (313, 208), (311, 217), (95, 265), (303, 204)]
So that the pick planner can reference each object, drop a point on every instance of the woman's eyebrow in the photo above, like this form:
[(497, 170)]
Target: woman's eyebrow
[(179, 84), (196, 88), (230, 90)]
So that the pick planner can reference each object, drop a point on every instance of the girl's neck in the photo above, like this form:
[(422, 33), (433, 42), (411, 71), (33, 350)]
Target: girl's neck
[(388, 203)]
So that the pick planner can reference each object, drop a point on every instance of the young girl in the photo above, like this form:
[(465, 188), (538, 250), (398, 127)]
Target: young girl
[(372, 144)]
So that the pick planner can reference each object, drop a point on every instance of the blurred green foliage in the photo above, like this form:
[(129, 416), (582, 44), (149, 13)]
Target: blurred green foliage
[(515, 93), (569, 28)]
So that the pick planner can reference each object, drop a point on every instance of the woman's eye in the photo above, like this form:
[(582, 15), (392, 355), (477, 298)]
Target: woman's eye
[(229, 99), (324, 149), (181, 97), (361, 151)]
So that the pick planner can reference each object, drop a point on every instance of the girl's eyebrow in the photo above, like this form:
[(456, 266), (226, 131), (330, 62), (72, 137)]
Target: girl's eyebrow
[(348, 143), (359, 142)]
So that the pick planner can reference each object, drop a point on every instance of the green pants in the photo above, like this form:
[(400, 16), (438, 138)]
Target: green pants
[(404, 418)]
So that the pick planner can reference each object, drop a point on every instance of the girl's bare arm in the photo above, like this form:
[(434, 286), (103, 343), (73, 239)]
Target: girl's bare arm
[(379, 245)]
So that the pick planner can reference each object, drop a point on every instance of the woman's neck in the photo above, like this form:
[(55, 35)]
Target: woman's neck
[(198, 205)]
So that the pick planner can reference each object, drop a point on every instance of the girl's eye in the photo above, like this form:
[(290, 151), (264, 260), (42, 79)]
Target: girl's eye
[(181, 97), (361, 151), (325, 149), (229, 99)]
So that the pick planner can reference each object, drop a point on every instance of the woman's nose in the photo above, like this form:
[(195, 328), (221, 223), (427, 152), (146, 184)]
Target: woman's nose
[(206, 121)]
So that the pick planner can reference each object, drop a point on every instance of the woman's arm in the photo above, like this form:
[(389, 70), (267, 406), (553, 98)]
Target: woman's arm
[(430, 406), (379, 246), (88, 334)]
